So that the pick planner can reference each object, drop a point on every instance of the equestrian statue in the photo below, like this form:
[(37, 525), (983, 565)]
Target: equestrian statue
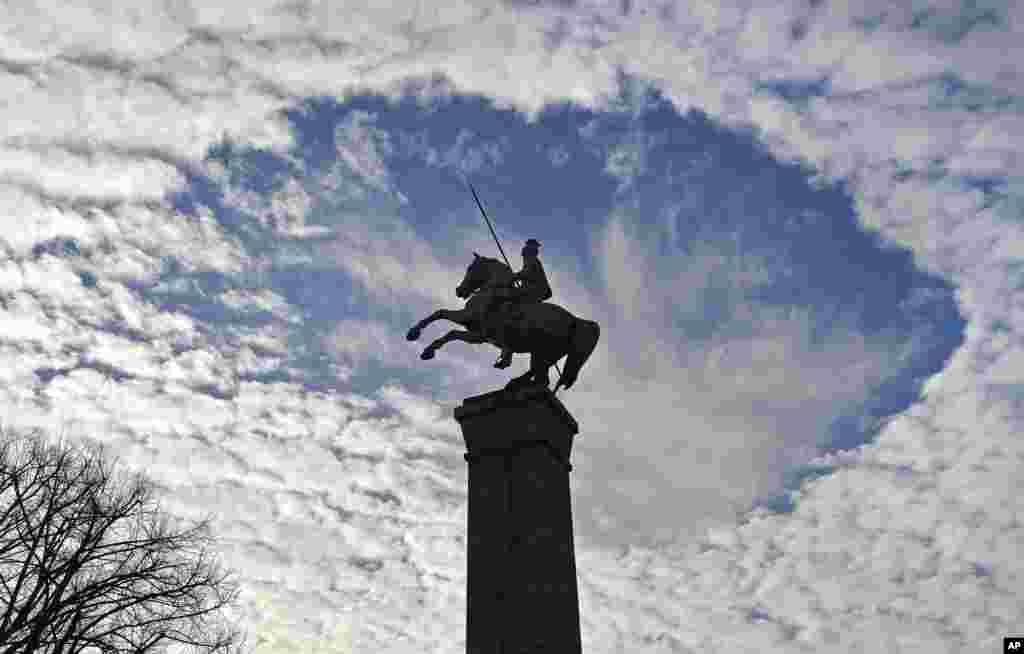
[(509, 310)]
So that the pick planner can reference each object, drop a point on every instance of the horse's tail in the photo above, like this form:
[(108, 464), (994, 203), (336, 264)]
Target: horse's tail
[(583, 338)]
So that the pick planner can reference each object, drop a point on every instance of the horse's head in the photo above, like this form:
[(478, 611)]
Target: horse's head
[(479, 273)]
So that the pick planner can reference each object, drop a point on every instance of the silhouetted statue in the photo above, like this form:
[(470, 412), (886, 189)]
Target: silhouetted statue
[(545, 330)]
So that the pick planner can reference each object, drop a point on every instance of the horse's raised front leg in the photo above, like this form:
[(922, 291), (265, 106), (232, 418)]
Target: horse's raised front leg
[(453, 335), (458, 315)]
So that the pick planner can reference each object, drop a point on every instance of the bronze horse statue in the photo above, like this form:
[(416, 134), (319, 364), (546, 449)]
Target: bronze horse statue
[(545, 330)]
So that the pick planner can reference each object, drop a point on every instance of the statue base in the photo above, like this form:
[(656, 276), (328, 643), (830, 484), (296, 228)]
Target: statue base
[(521, 591)]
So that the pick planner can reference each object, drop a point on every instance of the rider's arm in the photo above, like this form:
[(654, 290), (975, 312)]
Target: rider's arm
[(516, 281), (541, 279)]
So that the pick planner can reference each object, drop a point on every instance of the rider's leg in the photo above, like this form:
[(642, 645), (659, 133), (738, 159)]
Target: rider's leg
[(508, 308), (514, 310), (505, 360)]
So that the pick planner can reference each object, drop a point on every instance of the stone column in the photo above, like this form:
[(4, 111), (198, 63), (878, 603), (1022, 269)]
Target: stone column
[(521, 593)]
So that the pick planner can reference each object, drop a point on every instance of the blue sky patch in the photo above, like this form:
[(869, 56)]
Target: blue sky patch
[(685, 185)]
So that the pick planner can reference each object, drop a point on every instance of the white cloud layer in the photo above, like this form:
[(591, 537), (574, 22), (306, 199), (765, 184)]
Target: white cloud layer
[(346, 513)]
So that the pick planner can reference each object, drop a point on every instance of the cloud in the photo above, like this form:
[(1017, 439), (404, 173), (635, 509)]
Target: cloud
[(626, 161), (745, 403), (361, 339), (909, 545), (86, 175), (362, 147), (471, 160)]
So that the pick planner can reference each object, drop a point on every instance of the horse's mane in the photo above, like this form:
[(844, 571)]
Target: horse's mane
[(492, 263), (496, 271)]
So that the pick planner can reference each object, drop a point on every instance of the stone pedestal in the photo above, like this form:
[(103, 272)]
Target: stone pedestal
[(521, 591)]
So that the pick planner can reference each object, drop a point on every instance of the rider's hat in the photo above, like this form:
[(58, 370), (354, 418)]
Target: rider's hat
[(532, 242)]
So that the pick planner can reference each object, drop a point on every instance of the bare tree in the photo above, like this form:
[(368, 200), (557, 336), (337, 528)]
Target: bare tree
[(86, 566)]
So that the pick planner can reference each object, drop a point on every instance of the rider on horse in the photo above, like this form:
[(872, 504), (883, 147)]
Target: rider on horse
[(534, 288)]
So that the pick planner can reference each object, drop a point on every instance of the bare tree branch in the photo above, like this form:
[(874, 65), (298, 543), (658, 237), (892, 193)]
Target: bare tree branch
[(87, 566)]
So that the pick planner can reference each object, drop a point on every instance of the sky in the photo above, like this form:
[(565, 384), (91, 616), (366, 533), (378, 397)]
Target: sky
[(798, 225)]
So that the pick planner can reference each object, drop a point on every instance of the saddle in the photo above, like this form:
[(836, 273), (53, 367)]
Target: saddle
[(507, 310)]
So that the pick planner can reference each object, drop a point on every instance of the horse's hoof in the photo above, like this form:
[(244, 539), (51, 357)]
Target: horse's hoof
[(413, 334), (427, 354)]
